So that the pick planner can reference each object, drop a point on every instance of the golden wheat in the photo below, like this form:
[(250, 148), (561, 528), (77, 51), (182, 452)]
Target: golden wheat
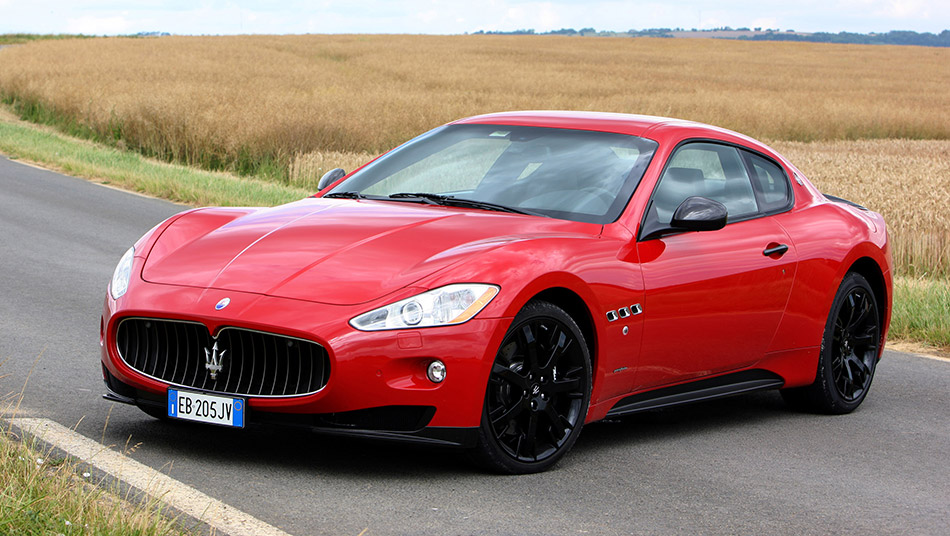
[(908, 181), (215, 100), (296, 106)]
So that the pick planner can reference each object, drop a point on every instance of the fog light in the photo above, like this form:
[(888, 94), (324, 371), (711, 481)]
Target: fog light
[(436, 371)]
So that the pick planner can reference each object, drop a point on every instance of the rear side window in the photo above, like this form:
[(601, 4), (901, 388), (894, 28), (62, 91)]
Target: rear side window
[(770, 183)]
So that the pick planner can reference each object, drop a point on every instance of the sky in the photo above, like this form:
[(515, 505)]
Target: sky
[(212, 17)]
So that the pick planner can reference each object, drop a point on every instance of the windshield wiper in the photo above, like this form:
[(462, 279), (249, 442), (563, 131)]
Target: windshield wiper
[(347, 195), (432, 199), (450, 200)]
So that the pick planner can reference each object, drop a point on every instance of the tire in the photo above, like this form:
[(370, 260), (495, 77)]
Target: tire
[(850, 348), (538, 393)]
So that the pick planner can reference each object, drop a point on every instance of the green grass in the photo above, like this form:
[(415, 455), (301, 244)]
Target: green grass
[(137, 173), (45, 495), (247, 162), (922, 311)]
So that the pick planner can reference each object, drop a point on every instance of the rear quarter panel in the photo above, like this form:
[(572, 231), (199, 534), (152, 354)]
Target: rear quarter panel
[(830, 238)]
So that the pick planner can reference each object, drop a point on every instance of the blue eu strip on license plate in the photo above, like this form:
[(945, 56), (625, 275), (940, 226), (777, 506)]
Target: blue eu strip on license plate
[(201, 407)]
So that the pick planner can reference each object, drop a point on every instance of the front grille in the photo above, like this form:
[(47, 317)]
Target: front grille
[(253, 363)]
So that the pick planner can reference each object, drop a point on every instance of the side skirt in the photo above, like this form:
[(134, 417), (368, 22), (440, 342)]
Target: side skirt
[(732, 384)]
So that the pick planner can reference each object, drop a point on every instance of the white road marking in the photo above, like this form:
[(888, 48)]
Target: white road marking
[(220, 516)]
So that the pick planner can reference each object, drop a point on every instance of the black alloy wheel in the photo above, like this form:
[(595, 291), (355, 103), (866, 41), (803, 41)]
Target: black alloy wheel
[(538, 392), (854, 344), (849, 352)]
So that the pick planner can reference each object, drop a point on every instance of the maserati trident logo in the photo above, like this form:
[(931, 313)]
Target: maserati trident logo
[(214, 360), (222, 304)]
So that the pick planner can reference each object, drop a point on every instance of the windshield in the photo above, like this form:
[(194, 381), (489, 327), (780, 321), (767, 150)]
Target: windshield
[(569, 174)]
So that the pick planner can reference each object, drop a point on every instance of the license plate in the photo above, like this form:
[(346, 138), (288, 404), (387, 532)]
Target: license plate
[(200, 407)]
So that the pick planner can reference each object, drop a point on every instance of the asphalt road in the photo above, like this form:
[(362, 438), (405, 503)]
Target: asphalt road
[(745, 465)]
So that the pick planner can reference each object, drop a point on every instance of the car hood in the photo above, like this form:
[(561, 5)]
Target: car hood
[(341, 252)]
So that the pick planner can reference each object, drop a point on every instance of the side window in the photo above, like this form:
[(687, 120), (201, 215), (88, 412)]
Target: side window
[(706, 170), (770, 182)]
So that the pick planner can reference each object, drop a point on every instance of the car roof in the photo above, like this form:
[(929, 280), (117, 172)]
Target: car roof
[(635, 125), (632, 124)]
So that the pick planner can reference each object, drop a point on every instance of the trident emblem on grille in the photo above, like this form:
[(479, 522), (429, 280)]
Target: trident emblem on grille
[(214, 360)]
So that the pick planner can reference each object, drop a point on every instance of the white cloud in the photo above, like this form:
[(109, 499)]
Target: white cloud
[(548, 17), (94, 25), (428, 17), (443, 16), (905, 9)]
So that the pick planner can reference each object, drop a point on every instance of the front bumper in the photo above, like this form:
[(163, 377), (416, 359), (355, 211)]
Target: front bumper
[(377, 383), (392, 423)]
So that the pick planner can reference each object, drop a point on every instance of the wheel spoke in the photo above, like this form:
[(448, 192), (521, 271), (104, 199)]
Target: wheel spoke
[(867, 337), (847, 369), (529, 345), (863, 369), (557, 426), (531, 436), (507, 415), (847, 385), (559, 346), (563, 386), (503, 373), (852, 308), (864, 308)]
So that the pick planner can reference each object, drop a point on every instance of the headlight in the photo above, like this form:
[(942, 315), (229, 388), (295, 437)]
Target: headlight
[(444, 306), (122, 274)]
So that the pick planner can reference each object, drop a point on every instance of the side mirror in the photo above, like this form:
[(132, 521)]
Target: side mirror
[(330, 177), (699, 214)]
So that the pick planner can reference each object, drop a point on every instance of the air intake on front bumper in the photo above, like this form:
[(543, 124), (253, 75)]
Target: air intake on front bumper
[(252, 363)]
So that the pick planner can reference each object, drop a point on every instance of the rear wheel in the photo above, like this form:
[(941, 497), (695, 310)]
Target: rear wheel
[(538, 392), (849, 352)]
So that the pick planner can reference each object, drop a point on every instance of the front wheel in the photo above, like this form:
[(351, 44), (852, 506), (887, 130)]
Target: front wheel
[(849, 352), (538, 392)]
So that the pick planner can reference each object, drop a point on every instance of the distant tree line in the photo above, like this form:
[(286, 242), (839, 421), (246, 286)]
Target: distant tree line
[(652, 32), (925, 39), (896, 37)]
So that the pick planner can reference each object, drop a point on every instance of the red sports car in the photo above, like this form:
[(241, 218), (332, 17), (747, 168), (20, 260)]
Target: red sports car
[(498, 282)]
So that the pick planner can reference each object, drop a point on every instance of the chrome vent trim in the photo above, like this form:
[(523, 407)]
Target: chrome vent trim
[(258, 364)]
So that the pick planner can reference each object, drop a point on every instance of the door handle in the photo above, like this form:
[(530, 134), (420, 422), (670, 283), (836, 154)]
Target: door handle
[(779, 249)]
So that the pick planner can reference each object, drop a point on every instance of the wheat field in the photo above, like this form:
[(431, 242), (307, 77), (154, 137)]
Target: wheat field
[(868, 123), (216, 100), (908, 181)]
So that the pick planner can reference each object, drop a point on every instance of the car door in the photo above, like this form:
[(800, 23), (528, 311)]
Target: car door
[(713, 299)]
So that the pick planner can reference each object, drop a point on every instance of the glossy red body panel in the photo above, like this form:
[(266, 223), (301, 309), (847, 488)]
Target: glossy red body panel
[(712, 302), (723, 292), (344, 252)]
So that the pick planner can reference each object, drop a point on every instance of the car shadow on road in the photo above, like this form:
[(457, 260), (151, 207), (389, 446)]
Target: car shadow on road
[(669, 424), (298, 450)]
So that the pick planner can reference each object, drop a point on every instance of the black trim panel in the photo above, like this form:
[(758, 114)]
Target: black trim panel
[(698, 391), (837, 199), (410, 422)]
